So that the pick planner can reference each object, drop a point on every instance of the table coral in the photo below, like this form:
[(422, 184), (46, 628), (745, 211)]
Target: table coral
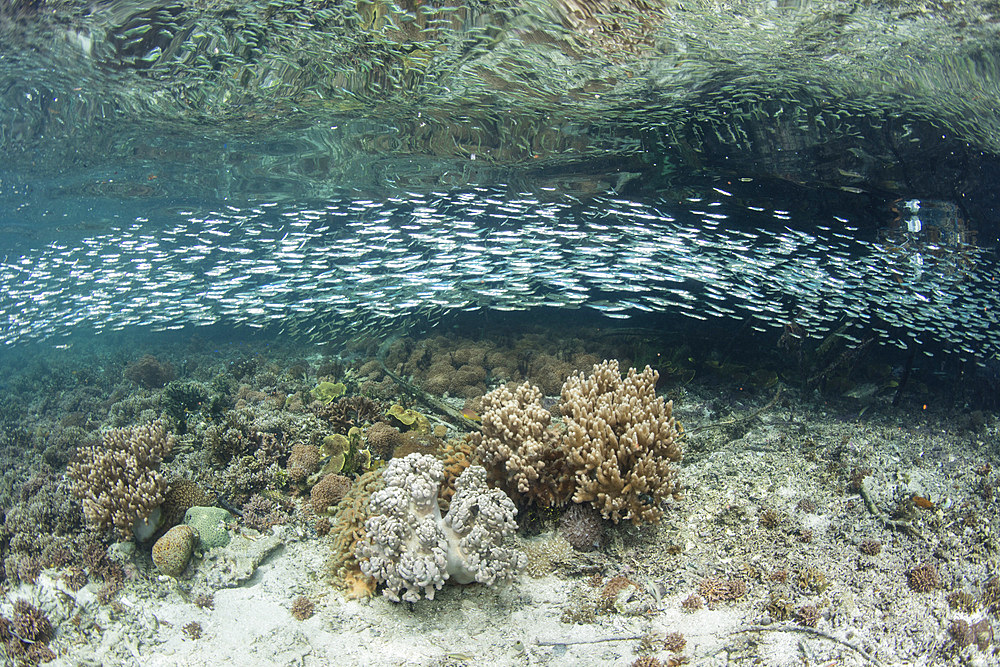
[(413, 550)]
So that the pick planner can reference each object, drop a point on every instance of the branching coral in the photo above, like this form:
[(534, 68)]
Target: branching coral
[(329, 491), (614, 448), (382, 439), (521, 446), (621, 440), (25, 636), (118, 481), (411, 548), (303, 461)]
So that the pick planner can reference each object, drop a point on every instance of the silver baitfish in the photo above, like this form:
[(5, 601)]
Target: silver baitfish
[(371, 266)]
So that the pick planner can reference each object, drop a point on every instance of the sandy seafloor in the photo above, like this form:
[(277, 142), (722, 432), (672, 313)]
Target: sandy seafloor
[(768, 500)]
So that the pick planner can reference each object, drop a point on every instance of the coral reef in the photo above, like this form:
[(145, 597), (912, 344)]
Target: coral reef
[(382, 439), (456, 455), (647, 661), (255, 444), (260, 513), (149, 372), (693, 602), (521, 448), (979, 633), (614, 448), (546, 554), (329, 491), (962, 600), (212, 525), (407, 419), (923, 578), (182, 495), (172, 552), (870, 547), (582, 527), (350, 411), (713, 589), (302, 608), (118, 481), (413, 550), (303, 461), (181, 399), (461, 367), (808, 615), (40, 529), (622, 440), (204, 601), (337, 448), (349, 532), (326, 392), (25, 636)]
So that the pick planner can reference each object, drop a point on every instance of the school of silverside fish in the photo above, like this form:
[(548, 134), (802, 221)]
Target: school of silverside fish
[(369, 267)]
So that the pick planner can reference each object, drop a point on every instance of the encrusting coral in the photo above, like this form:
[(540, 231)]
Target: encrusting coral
[(118, 481), (413, 550), (348, 532), (613, 449)]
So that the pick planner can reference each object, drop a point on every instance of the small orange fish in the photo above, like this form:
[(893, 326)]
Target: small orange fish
[(922, 502)]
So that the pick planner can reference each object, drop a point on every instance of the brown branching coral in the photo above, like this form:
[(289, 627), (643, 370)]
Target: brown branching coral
[(621, 440), (343, 413), (716, 590), (614, 449), (382, 439), (118, 481), (521, 447), (923, 578), (303, 461), (302, 608), (182, 496), (328, 492)]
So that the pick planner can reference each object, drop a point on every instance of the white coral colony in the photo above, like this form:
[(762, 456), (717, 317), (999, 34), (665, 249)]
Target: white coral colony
[(413, 550)]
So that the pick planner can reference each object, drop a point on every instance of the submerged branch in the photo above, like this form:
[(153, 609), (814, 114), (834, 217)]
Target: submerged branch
[(809, 631), (734, 420), (904, 526)]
